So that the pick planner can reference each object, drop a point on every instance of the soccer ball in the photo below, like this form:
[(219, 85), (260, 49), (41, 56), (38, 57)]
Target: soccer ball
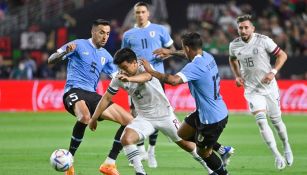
[(61, 160)]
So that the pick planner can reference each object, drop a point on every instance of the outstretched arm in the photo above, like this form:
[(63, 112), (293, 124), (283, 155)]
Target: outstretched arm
[(139, 78), (102, 106), (165, 53), (166, 78), (57, 57)]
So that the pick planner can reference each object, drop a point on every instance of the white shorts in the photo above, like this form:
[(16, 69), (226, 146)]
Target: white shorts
[(270, 103), (167, 125)]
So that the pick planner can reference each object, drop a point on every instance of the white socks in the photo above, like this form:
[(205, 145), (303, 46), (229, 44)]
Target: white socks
[(109, 161), (200, 160), (266, 133), (151, 149), (133, 156)]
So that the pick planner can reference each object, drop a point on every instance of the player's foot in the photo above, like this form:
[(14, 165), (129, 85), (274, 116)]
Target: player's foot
[(289, 158), (108, 169), (226, 156), (140, 174), (280, 162), (70, 171), (213, 173), (152, 162)]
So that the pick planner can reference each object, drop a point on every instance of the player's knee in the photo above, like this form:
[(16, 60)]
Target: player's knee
[(205, 152), (84, 118), (275, 119), (261, 120), (126, 140)]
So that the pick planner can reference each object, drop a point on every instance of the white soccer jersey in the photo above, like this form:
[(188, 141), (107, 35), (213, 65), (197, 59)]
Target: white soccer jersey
[(254, 59), (148, 98)]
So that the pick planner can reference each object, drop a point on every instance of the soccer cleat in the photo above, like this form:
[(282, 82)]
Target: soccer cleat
[(108, 169), (213, 173), (226, 156), (289, 158), (140, 174), (70, 171), (152, 162), (280, 162)]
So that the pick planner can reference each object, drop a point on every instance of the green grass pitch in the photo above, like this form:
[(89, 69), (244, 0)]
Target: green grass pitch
[(28, 139)]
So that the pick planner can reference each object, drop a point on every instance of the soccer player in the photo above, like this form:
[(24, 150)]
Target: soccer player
[(204, 84), (87, 59), (249, 58), (143, 39), (151, 104)]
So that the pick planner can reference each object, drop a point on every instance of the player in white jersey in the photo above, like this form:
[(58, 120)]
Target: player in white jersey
[(152, 106), (250, 62)]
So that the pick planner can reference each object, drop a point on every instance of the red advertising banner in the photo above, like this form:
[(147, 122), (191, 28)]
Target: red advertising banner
[(46, 95)]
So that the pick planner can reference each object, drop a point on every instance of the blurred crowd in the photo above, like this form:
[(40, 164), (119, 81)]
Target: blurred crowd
[(285, 21)]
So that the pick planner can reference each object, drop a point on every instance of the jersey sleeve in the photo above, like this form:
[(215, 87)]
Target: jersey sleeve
[(190, 72), (125, 41), (270, 46), (167, 41), (231, 54), (113, 86)]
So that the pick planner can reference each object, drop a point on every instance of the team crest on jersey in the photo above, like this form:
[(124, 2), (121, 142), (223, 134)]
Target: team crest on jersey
[(152, 33), (102, 60), (255, 51), (200, 138)]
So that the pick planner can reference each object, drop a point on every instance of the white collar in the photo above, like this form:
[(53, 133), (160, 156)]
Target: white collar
[(197, 56), (136, 26)]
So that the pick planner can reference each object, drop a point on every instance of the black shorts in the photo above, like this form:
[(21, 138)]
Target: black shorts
[(206, 134), (74, 95)]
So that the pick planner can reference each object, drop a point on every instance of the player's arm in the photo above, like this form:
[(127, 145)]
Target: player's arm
[(166, 78), (165, 53), (281, 58), (102, 106), (139, 78), (235, 67), (57, 57)]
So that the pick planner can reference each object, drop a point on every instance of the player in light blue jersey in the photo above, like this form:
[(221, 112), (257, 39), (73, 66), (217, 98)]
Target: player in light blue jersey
[(144, 38), (211, 115), (87, 59)]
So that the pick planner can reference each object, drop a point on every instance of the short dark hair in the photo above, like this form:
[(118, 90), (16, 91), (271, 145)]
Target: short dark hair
[(98, 22), (192, 40), (141, 4), (245, 17), (124, 54)]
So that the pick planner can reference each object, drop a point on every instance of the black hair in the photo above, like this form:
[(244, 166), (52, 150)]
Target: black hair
[(245, 17), (98, 22), (124, 54), (192, 40), (141, 4)]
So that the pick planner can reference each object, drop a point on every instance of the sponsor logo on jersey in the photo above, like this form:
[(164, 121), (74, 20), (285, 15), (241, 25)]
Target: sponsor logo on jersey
[(85, 53), (102, 60), (152, 33)]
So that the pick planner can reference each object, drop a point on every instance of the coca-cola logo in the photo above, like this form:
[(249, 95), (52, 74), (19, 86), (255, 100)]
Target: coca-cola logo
[(180, 97), (48, 97), (294, 97)]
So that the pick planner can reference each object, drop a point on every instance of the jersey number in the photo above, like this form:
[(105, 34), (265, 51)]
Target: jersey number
[(249, 62), (73, 97), (216, 82), (93, 67), (144, 43)]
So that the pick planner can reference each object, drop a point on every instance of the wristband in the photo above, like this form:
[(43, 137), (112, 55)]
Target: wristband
[(274, 71)]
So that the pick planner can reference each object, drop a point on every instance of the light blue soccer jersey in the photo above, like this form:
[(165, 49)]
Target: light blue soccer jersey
[(85, 64), (204, 84), (143, 41)]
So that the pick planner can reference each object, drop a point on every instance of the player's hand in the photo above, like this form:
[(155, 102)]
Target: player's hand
[(268, 78), (70, 47), (162, 53), (146, 65), (239, 81), (92, 124), (123, 77)]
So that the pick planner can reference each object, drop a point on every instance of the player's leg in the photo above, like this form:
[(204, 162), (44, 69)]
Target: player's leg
[(140, 145), (206, 137), (74, 103), (257, 105), (136, 131), (117, 114), (169, 127), (274, 113), (187, 132)]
